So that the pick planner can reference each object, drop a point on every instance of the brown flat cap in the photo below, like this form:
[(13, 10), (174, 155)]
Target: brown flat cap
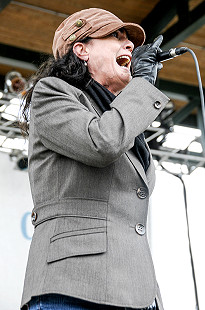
[(93, 23)]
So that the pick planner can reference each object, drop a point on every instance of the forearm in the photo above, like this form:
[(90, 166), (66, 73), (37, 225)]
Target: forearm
[(69, 128)]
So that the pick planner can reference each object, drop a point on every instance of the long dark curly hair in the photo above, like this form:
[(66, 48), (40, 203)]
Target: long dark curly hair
[(69, 68)]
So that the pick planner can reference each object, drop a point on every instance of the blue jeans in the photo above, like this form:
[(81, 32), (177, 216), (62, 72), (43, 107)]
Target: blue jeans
[(61, 302)]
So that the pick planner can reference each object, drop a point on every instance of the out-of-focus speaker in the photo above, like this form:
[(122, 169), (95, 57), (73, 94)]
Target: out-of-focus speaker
[(14, 83)]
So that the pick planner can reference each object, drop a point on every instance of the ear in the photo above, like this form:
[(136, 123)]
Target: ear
[(81, 51)]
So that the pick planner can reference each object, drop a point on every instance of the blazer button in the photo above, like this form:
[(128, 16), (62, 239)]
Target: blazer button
[(140, 229), (33, 216), (142, 192), (157, 105)]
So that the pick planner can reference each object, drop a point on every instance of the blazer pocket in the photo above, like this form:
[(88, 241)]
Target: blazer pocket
[(88, 237)]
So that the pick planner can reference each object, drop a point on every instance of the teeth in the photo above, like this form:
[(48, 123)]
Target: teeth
[(123, 60)]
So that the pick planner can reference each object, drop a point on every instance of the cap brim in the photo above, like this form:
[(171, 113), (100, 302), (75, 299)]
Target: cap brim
[(135, 32)]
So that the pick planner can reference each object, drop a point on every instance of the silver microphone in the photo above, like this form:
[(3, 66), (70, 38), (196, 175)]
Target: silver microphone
[(173, 52)]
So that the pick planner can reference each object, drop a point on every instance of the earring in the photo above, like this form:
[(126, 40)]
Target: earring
[(85, 63)]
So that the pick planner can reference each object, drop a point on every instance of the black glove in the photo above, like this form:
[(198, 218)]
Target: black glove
[(144, 63)]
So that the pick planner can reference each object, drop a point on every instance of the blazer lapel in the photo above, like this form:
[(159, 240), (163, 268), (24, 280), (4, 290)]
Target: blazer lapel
[(93, 105), (151, 178), (138, 167)]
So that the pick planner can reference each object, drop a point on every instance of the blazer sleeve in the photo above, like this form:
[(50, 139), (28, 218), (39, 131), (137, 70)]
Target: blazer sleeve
[(66, 126)]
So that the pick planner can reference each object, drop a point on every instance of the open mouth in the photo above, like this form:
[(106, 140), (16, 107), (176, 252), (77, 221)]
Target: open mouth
[(123, 61)]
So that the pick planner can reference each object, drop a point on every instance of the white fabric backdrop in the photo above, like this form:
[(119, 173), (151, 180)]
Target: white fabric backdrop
[(167, 227), (169, 241)]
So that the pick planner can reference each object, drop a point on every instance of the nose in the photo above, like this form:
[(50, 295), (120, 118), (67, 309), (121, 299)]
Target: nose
[(129, 45)]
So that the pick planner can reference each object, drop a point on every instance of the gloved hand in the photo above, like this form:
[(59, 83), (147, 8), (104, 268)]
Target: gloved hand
[(144, 63)]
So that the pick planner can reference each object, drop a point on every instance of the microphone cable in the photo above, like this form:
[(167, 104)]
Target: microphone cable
[(179, 176), (200, 86), (171, 54)]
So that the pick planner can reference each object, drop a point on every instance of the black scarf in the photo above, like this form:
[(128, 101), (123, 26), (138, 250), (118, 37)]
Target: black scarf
[(103, 97)]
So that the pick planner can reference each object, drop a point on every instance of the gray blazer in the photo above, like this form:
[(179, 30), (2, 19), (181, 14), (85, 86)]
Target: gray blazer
[(90, 195)]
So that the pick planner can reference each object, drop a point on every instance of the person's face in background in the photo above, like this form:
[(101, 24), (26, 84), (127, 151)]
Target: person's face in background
[(109, 60)]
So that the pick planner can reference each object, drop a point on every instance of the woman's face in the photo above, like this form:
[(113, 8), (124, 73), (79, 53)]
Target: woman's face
[(109, 60)]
